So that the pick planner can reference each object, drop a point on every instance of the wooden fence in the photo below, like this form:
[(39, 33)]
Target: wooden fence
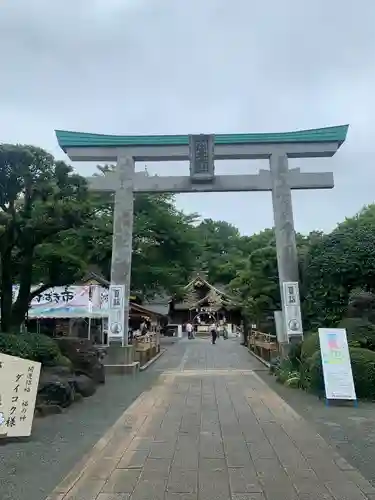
[(146, 347), (263, 344)]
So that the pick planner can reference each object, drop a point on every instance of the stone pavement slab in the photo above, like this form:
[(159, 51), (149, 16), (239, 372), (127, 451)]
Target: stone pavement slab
[(350, 430), (212, 429)]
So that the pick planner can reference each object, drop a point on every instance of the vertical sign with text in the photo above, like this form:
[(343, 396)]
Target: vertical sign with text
[(18, 388), (292, 309), (116, 317)]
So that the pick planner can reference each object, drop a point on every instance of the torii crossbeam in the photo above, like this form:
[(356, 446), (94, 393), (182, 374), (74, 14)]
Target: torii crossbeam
[(144, 183)]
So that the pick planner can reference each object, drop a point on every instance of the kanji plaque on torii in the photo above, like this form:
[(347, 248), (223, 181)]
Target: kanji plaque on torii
[(202, 166)]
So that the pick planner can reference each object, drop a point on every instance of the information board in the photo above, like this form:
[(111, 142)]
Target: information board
[(19, 379), (337, 368)]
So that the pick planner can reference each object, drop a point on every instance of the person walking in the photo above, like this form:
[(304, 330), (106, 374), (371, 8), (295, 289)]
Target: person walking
[(189, 329), (225, 331), (213, 330)]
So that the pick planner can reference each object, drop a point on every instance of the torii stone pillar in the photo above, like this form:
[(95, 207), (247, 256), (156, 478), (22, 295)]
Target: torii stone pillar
[(123, 232), (287, 258), (277, 147), (286, 247)]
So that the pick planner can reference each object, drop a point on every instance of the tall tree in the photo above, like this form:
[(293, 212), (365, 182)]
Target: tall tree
[(164, 245), (41, 202), (335, 264), (219, 243), (257, 287), (164, 250)]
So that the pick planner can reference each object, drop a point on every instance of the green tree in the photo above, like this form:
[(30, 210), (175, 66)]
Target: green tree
[(256, 282), (220, 253), (164, 245), (335, 264), (42, 204), (165, 249), (257, 286)]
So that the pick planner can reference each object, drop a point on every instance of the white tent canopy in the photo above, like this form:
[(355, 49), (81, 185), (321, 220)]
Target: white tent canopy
[(76, 301)]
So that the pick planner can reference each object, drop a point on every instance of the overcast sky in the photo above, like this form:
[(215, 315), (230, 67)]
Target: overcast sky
[(194, 66)]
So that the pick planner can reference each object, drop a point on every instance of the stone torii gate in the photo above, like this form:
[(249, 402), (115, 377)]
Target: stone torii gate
[(201, 151)]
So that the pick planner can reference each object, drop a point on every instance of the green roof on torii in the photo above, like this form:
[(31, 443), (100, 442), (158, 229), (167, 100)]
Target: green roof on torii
[(68, 139)]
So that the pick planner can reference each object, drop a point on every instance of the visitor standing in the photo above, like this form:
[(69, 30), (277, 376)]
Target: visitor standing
[(213, 330), (189, 329), (143, 327), (225, 331)]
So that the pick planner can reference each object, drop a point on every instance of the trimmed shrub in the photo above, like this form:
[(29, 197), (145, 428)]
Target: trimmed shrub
[(44, 349), (295, 353), (310, 345), (65, 362), (361, 304), (15, 345), (284, 371), (360, 332), (363, 367), (34, 346), (314, 371)]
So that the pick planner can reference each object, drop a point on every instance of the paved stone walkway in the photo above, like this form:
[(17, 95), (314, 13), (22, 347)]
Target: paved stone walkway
[(210, 428), (350, 430)]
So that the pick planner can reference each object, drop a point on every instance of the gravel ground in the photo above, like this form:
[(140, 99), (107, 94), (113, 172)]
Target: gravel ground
[(30, 469)]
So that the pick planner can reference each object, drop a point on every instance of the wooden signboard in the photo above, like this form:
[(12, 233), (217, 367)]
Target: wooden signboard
[(5, 398), (19, 379)]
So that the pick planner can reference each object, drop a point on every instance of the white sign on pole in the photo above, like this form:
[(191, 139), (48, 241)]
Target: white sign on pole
[(292, 309), (337, 368), (19, 381), (116, 317)]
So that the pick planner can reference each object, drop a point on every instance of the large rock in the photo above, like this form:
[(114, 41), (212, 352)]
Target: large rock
[(60, 371), (43, 410), (85, 385), (85, 357), (55, 390), (98, 372)]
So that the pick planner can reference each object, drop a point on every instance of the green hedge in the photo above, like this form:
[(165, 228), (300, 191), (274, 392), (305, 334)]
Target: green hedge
[(363, 367), (360, 332), (15, 345), (34, 346), (44, 348)]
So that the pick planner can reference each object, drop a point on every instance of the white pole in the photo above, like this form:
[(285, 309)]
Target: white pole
[(89, 335)]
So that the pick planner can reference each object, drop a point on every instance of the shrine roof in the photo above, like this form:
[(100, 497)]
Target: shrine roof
[(199, 279), (68, 139)]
